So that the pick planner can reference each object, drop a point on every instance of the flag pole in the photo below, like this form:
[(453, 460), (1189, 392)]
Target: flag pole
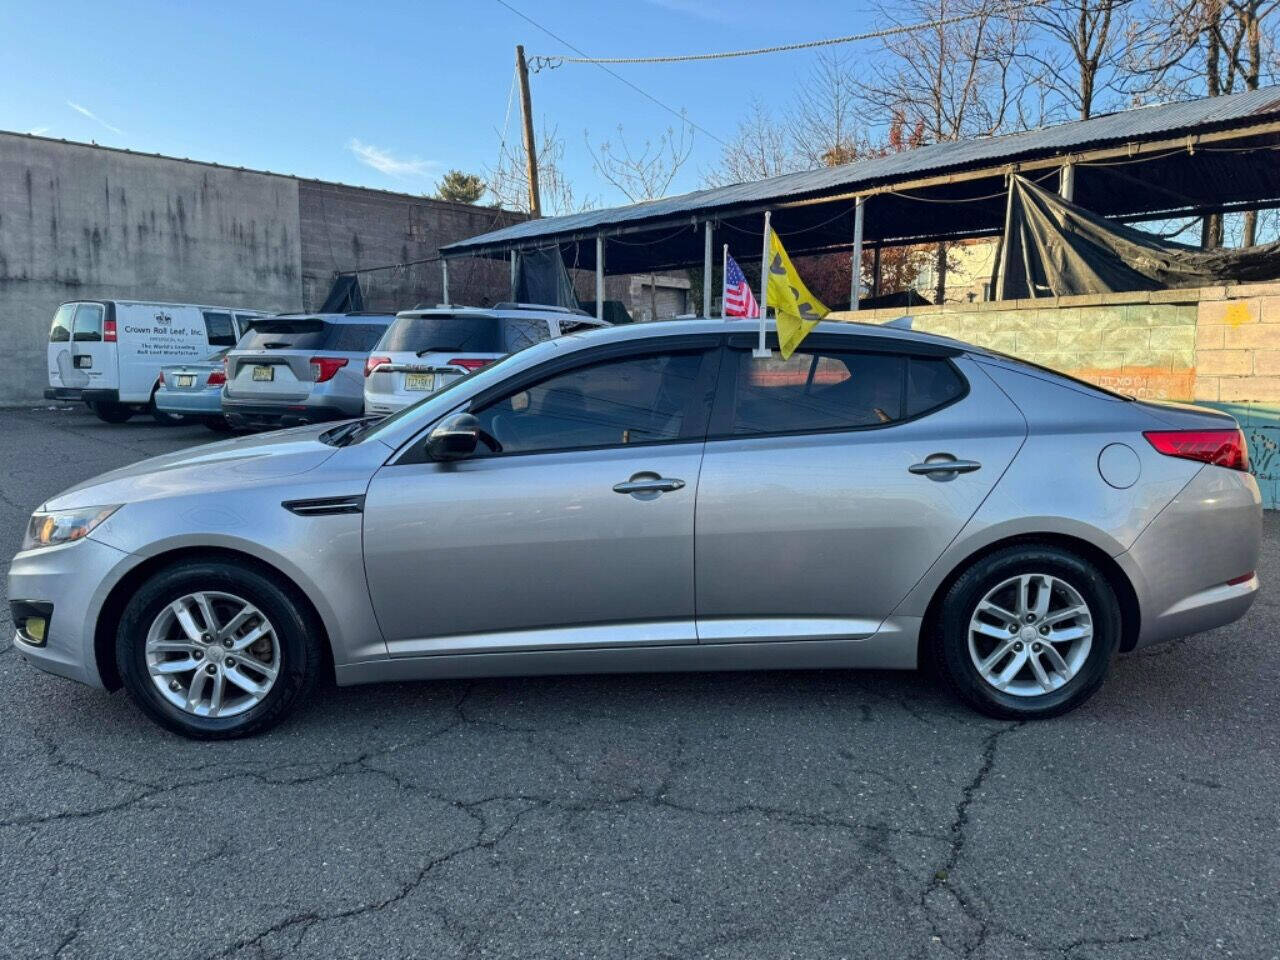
[(761, 349), (724, 273)]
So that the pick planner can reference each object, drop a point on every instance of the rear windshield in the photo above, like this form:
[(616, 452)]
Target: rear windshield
[(438, 334), (311, 335), (1084, 384)]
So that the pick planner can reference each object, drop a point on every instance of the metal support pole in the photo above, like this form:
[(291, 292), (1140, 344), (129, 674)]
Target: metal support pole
[(706, 271), (1067, 182), (761, 349), (444, 277), (724, 272), (513, 276), (599, 276), (855, 259)]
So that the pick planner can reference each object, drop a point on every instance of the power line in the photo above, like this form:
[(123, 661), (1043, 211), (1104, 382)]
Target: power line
[(583, 58)]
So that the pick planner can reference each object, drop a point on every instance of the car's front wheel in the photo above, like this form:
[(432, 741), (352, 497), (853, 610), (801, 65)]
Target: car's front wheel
[(213, 650), (1028, 632)]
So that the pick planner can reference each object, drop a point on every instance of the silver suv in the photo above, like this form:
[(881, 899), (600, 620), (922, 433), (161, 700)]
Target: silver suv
[(425, 350), (300, 368)]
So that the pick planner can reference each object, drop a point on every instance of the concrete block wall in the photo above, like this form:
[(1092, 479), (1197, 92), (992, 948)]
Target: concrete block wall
[(1219, 346)]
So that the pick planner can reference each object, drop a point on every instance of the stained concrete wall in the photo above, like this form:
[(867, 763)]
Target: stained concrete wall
[(77, 220), (350, 228), (80, 221)]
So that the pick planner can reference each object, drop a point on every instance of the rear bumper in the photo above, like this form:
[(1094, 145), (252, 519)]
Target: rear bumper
[(386, 405), (77, 394), (242, 414), (198, 402), (1182, 565)]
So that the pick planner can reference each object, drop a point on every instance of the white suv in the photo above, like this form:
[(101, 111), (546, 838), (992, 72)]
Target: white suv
[(425, 349)]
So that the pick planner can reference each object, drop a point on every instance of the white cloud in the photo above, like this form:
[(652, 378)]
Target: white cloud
[(94, 117), (384, 162)]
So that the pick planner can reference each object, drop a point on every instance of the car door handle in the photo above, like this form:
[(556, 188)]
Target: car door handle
[(944, 464), (648, 483)]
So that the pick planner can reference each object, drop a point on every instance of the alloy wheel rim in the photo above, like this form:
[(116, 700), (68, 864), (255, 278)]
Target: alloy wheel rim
[(212, 654), (1030, 635)]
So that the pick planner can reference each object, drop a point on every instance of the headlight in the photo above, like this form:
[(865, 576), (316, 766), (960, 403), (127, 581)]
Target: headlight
[(48, 529)]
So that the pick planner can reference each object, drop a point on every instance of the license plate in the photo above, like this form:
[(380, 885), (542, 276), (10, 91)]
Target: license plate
[(186, 380), (420, 381), (264, 372)]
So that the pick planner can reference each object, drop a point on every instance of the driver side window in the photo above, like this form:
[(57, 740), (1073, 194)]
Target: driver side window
[(629, 400)]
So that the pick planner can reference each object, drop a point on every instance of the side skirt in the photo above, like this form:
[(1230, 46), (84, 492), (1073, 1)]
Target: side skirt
[(893, 647)]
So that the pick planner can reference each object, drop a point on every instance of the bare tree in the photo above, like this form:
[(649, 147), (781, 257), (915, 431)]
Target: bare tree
[(759, 149), (824, 123), (951, 80), (643, 173), (1082, 53), (508, 179)]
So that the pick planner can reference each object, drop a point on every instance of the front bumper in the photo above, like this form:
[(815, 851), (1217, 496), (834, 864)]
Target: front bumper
[(75, 579)]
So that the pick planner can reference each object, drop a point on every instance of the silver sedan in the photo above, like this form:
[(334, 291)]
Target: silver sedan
[(655, 497)]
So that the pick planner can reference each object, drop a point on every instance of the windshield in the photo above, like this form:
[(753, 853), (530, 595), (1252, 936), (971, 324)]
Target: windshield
[(375, 427), (1064, 376), (311, 334), (443, 333)]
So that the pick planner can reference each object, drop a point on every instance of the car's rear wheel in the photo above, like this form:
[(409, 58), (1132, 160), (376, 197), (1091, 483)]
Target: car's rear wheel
[(109, 412), (213, 650), (1028, 632)]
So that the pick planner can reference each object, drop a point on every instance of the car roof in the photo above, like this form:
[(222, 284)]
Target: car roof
[(333, 317), (850, 328), (505, 312)]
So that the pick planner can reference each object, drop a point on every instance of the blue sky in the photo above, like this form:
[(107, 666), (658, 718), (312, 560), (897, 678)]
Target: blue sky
[(386, 94)]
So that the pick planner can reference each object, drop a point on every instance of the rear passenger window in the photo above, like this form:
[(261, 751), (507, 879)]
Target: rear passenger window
[(60, 332), (828, 390), (88, 323), (521, 333), (352, 337), (219, 328)]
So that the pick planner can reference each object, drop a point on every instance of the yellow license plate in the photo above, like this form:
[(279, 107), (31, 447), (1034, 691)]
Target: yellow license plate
[(420, 381), (264, 372)]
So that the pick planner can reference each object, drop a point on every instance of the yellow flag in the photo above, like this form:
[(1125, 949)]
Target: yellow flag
[(798, 311)]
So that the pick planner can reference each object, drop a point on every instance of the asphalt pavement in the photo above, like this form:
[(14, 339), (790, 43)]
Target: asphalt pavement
[(753, 815)]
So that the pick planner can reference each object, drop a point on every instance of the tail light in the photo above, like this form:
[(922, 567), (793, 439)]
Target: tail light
[(109, 331), (469, 363), (373, 363), (1222, 448), (323, 368), (160, 379), (218, 377)]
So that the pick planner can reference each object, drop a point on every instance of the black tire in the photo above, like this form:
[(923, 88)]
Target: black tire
[(950, 646), (111, 412), (300, 654), (218, 424)]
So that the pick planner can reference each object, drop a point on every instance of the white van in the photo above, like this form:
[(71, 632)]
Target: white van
[(108, 353)]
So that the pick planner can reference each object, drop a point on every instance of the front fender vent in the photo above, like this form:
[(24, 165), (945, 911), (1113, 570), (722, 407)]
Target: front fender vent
[(324, 506)]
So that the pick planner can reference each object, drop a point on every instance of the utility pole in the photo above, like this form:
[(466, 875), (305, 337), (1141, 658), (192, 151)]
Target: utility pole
[(530, 153)]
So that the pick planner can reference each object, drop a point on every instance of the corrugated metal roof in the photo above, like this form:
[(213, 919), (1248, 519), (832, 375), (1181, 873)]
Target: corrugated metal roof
[(1143, 123)]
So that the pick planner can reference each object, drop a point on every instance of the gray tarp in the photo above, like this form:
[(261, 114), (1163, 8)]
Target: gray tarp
[(542, 278), (345, 295), (1055, 248)]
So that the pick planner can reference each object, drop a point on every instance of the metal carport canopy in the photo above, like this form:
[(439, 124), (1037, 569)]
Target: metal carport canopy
[(1173, 159)]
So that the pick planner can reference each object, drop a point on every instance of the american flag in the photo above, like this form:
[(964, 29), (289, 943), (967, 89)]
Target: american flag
[(738, 300)]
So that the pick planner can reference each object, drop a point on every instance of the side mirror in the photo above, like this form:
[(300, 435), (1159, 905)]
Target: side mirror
[(454, 438)]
